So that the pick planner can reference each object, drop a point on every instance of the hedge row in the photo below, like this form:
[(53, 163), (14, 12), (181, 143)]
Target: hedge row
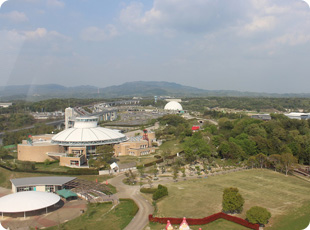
[(68, 172), (148, 190), (205, 220), (157, 161)]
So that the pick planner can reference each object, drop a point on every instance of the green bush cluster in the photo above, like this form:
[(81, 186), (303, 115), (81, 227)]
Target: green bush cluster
[(160, 192), (232, 201), (148, 190), (258, 215)]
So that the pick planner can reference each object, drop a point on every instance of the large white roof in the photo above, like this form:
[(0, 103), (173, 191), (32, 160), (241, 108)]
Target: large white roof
[(173, 105), (33, 181), (86, 133), (27, 201)]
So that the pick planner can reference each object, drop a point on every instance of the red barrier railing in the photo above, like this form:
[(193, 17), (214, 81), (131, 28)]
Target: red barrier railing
[(205, 220)]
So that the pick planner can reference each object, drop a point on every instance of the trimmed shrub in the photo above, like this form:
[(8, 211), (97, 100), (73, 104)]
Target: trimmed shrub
[(232, 201), (258, 215), (160, 192)]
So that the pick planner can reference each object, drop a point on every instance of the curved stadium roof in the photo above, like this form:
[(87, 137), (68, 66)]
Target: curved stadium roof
[(85, 132), (27, 201)]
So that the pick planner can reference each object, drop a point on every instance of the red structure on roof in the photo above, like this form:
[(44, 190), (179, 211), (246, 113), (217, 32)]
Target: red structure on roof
[(195, 128)]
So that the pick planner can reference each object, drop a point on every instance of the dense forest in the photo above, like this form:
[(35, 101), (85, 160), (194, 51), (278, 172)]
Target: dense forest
[(49, 105), (247, 103), (241, 138)]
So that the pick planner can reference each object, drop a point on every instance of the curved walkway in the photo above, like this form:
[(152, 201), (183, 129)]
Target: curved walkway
[(133, 192)]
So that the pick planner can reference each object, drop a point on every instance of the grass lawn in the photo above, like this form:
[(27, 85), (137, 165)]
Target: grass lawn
[(220, 224), (98, 217), (138, 160), (52, 167), (173, 145), (281, 195)]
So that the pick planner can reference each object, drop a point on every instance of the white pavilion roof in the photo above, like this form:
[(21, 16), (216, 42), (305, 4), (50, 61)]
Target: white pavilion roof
[(27, 201), (85, 132)]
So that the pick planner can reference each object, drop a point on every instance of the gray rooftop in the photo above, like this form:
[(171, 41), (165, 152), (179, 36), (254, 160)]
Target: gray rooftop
[(32, 181)]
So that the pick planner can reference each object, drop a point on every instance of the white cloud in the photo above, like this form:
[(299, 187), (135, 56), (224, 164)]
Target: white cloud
[(15, 16), (292, 39), (55, 3), (195, 16), (96, 34), (36, 34), (261, 24)]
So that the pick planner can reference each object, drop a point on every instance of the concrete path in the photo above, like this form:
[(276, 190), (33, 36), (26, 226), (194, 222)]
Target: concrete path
[(133, 192)]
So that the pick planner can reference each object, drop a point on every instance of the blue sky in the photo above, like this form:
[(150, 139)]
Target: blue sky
[(246, 45)]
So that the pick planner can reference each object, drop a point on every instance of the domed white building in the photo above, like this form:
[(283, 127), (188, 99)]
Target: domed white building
[(86, 133), (174, 106), (71, 146)]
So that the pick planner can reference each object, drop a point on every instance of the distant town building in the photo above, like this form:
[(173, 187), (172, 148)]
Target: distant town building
[(195, 128), (264, 117), (298, 116), (5, 105)]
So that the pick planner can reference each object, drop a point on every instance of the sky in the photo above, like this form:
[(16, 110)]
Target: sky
[(244, 45)]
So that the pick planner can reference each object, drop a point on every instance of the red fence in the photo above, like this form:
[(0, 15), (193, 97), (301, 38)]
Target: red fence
[(205, 220)]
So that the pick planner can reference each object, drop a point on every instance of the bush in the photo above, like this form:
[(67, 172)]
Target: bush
[(148, 190), (258, 215), (160, 192), (232, 201)]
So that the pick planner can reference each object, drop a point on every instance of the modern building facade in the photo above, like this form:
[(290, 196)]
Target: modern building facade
[(71, 146)]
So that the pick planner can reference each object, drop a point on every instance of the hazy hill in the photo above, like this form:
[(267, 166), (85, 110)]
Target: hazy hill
[(129, 89)]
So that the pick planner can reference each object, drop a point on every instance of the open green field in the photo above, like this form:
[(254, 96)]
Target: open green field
[(99, 217), (220, 224), (284, 196)]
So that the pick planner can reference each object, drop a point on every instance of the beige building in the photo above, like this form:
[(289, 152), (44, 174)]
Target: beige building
[(136, 146)]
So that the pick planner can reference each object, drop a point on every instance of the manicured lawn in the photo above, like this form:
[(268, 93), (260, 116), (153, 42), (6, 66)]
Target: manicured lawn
[(173, 145), (98, 217), (52, 167), (281, 195), (220, 224)]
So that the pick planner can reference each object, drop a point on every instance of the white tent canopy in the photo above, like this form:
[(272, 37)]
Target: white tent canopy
[(27, 201), (2, 228)]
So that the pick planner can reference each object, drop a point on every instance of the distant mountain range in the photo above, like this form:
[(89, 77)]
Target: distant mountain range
[(126, 90)]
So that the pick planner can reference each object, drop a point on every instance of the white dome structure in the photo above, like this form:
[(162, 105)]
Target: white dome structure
[(86, 133), (27, 201), (173, 105)]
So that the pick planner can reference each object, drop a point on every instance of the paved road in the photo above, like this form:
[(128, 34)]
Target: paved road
[(133, 192)]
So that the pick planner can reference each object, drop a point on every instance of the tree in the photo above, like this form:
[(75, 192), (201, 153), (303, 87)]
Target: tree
[(288, 160), (165, 153), (258, 215), (195, 146), (275, 160), (232, 200), (107, 151), (261, 159), (252, 161)]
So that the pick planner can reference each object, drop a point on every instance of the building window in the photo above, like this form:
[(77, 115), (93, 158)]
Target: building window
[(76, 163), (26, 188), (49, 188)]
